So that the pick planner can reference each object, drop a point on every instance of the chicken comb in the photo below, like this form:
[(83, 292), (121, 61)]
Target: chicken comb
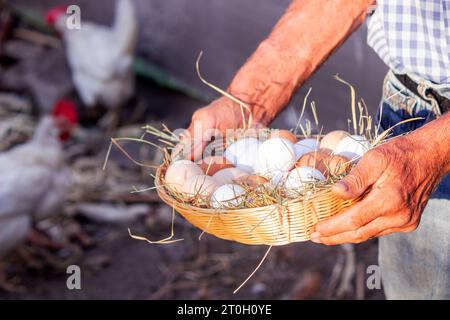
[(54, 13), (66, 109)]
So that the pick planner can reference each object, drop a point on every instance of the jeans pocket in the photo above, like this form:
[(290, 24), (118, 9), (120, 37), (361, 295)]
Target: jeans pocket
[(400, 104)]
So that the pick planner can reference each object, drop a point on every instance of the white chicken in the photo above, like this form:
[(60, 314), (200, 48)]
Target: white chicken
[(33, 177), (100, 57)]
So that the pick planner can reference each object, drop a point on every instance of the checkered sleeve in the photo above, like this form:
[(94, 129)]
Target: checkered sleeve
[(413, 37)]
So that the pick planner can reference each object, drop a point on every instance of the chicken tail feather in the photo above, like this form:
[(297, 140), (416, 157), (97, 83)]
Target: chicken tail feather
[(125, 26)]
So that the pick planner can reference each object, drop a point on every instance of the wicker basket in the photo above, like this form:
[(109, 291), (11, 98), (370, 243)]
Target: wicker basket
[(275, 225)]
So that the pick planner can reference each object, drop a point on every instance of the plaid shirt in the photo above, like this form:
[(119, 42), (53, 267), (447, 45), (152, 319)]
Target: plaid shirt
[(413, 36)]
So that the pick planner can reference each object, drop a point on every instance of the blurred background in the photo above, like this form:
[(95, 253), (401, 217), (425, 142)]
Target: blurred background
[(38, 69)]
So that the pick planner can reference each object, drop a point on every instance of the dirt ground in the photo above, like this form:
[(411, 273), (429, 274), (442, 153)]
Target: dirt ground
[(119, 267), (115, 266)]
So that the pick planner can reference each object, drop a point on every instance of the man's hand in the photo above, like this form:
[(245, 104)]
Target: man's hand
[(398, 177), (213, 121), (280, 64)]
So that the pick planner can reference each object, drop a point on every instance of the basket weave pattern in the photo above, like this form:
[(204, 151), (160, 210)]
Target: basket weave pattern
[(292, 221)]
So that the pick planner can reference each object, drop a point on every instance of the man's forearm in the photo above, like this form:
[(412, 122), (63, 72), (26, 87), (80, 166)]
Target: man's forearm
[(434, 138), (304, 37)]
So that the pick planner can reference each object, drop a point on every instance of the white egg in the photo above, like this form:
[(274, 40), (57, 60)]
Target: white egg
[(351, 156), (243, 153), (301, 176), (228, 175), (304, 146), (278, 178), (275, 154), (332, 139), (179, 171), (201, 185), (226, 196), (353, 144)]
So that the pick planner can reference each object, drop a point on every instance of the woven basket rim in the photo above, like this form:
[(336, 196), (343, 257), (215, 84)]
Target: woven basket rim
[(164, 194)]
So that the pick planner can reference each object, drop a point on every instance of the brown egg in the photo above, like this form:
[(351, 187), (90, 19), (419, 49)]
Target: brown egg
[(331, 140), (210, 165), (337, 164), (285, 134), (314, 159), (251, 180)]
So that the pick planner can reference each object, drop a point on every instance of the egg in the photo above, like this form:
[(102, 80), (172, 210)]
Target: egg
[(285, 134), (278, 178), (304, 146), (300, 177), (337, 164), (353, 146), (228, 195), (243, 153), (179, 171), (353, 157), (228, 175), (252, 180), (201, 185), (210, 165), (332, 139), (314, 159), (275, 154)]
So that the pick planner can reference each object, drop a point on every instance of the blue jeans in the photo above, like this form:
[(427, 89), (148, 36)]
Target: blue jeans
[(416, 265)]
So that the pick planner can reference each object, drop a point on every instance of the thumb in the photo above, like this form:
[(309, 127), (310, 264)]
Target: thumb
[(363, 176), (194, 140), (189, 147)]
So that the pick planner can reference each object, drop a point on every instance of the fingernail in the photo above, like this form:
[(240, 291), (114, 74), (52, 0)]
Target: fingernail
[(342, 186), (315, 240)]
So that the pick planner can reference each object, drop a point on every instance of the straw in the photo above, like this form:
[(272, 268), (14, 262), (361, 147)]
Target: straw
[(226, 94)]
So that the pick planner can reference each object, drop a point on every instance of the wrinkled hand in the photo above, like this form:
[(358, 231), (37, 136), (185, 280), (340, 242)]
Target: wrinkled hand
[(399, 177), (210, 121)]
